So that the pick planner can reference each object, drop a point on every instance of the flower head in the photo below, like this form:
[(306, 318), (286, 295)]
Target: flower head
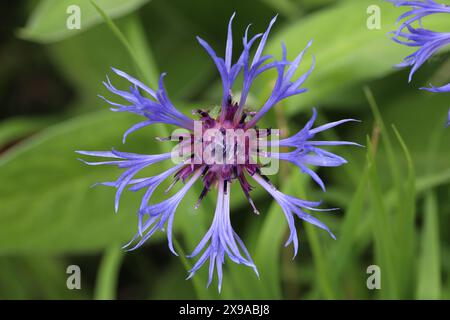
[(217, 160), (427, 41)]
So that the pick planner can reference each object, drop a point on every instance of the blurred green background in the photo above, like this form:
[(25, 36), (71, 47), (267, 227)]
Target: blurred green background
[(393, 193)]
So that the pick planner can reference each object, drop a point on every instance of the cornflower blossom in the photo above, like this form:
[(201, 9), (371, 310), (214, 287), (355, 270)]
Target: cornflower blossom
[(221, 240), (428, 42)]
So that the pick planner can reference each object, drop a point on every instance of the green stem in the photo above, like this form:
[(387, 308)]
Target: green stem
[(198, 287), (108, 273), (136, 36), (145, 66)]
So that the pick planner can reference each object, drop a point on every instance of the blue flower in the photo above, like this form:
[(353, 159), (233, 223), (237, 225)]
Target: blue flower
[(221, 239), (428, 42)]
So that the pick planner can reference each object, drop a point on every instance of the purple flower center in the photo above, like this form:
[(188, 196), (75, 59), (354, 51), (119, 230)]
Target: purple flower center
[(224, 147)]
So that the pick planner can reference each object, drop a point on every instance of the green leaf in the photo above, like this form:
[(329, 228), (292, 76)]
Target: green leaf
[(379, 123), (84, 66), (143, 61), (321, 258), (321, 263), (421, 117), (48, 20), (285, 7), (47, 206), (310, 4), (382, 230), (406, 223), (11, 130), (429, 271), (344, 252), (108, 273), (434, 180)]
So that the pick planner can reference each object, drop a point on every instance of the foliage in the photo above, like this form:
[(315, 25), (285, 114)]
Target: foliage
[(393, 193)]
